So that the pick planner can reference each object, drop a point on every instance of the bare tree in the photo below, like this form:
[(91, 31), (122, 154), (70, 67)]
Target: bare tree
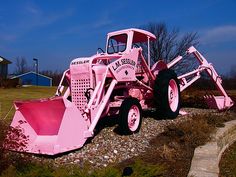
[(169, 44), (55, 75), (21, 65)]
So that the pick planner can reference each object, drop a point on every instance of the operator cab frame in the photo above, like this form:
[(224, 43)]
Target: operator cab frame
[(122, 41)]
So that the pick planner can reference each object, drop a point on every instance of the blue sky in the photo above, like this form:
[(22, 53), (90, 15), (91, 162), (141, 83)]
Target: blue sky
[(56, 31)]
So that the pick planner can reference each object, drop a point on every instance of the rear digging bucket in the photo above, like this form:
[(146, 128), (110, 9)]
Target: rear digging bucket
[(218, 102)]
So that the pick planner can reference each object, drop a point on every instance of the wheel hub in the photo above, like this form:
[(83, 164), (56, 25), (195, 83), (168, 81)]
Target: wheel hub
[(173, 95), (133, 118)]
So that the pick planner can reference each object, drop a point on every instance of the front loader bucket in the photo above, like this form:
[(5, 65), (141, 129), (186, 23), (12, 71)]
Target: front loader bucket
[(46, 126)]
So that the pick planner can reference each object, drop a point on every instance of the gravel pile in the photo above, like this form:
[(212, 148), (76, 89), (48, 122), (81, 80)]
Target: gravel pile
[(109, 147)]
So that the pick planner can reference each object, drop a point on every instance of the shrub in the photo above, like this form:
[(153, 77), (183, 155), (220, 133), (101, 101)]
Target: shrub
[(11, 138), (9, 83)]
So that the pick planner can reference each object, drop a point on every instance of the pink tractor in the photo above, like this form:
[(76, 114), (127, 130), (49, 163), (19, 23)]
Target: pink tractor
[(117, 81)]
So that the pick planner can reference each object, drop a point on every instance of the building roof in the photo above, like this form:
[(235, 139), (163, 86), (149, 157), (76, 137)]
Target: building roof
[(4, 60), (31, 72)]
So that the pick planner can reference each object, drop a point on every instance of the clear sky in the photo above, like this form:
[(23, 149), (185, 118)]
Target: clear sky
[(56, 31)]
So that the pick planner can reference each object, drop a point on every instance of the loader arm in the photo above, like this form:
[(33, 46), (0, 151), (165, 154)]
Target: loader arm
[(146, 67)]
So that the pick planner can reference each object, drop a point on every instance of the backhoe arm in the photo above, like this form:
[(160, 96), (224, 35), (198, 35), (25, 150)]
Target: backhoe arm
[(220, 102)]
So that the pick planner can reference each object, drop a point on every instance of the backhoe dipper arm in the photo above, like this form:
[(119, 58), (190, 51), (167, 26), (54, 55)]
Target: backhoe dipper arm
[(209, 69), (220, 102)]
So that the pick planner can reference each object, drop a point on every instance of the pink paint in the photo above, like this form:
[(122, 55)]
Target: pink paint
[(48, 124), (97, 87)]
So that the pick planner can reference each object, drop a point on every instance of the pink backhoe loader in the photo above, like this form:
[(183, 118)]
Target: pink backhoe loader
[(117, 81)]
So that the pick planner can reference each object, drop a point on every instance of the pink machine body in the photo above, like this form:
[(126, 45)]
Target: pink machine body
[(117, 81)]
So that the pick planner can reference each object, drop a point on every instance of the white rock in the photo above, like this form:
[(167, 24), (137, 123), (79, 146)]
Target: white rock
[(76, 161), (106, 157)]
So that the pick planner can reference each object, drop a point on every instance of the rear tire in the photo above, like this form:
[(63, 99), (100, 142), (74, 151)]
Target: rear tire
[(130, 116), (167, 94)]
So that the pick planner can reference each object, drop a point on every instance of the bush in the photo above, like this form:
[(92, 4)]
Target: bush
[(193, 98), (16, 139), (3, 161), (197, 130), (9, 83)]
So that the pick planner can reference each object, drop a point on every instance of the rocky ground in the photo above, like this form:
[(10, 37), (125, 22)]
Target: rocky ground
[(108, 146)]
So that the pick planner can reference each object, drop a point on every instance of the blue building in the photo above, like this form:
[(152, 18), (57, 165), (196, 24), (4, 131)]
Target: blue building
[(32, 78)]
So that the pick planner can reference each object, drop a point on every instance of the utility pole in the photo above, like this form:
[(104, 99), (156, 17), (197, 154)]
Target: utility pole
[(37, 70)]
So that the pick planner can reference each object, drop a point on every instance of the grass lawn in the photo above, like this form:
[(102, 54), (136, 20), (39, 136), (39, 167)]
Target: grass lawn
[(228, 162), (7, 96)]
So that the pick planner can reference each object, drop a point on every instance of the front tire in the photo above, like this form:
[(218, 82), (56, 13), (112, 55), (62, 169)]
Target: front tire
[(167, 94), (130, 116)]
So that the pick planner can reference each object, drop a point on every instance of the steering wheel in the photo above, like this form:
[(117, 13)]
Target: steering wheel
[(135, 46), (113, 48), (100, 50)]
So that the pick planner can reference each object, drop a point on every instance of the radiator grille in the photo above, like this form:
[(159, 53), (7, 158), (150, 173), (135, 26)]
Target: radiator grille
[(78, 89)]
